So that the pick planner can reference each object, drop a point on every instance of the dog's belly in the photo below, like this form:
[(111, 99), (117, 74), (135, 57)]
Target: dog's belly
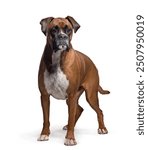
[(56, 84)]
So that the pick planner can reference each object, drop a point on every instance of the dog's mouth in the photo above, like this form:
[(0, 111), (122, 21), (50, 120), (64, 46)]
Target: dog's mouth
[(61, 45)]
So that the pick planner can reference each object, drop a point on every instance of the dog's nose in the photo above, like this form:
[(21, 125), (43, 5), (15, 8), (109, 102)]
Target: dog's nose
[(62, 36)]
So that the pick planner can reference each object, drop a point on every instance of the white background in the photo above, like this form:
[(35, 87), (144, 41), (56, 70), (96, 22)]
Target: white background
[(107, 35)]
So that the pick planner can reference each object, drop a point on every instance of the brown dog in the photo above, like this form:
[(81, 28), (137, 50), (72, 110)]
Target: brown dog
[(65, 73)]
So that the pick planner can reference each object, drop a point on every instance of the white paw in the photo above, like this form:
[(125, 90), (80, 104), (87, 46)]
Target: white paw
[(102, 131), (70, 142), (43, 138)]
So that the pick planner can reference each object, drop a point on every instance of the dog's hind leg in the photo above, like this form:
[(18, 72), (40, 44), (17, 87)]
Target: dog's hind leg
[(92, 99)]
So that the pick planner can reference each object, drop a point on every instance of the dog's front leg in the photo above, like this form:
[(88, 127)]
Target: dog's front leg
[(72, 105), (45, 102)]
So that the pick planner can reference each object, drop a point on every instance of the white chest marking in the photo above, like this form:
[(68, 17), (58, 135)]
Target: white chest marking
[(56, 83)]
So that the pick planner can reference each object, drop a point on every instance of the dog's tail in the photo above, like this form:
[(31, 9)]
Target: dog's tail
[(103, 91)]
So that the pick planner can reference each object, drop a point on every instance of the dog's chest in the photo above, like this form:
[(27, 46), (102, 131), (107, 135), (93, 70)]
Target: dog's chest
[(56, 82)]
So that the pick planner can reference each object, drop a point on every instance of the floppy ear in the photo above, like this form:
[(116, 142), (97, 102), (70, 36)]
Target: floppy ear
[(44, 23), (74, 24)]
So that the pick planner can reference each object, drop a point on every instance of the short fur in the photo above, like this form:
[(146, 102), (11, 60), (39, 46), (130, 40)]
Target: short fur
[(65, 73)]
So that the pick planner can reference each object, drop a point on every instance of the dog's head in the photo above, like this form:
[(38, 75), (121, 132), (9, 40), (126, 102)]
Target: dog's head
[(59, 31)]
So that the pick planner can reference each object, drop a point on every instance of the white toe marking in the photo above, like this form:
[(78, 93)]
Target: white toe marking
[(43, 138), (99, 131), (70, 142), (102, 131)]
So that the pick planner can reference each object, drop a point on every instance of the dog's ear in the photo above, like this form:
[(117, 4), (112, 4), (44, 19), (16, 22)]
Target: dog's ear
[(44, 23), (73, 22)]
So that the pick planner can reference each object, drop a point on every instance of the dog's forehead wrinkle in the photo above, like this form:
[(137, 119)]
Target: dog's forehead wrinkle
[(61, 22)]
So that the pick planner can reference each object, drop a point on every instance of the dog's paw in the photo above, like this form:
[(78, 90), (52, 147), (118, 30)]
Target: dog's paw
[(102, 131), (43, 138), (70, 142), (65, 127)]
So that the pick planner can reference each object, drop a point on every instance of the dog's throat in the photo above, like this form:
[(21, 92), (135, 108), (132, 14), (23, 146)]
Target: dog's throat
[(47, 57), (52, 59)]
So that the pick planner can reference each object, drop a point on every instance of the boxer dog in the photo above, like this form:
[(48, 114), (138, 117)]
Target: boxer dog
[(65, 74)]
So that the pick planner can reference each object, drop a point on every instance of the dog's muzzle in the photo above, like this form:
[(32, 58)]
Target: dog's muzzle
[(61, 42)]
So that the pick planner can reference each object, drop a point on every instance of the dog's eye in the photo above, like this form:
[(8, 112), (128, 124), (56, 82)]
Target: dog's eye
[(55, 30), (67, 30)]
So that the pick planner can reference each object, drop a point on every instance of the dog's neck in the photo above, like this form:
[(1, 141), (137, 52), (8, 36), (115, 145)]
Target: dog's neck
[(52, 59)]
